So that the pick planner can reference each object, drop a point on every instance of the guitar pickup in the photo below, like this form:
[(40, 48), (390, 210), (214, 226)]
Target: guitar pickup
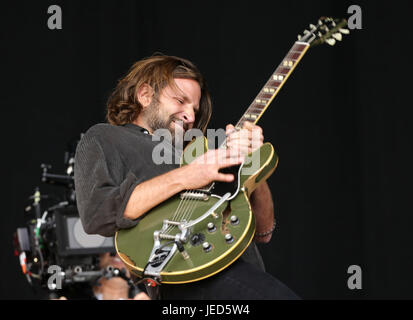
[(191, 195)]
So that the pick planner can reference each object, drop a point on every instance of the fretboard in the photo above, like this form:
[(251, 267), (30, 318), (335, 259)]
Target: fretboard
[(273, 85)]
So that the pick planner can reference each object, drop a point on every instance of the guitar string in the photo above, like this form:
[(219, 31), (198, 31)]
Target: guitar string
[(187, 209), (190, 211), (185, 201), (191, 204), (182, 203), (186, 212)]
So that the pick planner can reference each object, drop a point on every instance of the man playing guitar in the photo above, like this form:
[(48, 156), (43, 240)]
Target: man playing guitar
[(117, 182)]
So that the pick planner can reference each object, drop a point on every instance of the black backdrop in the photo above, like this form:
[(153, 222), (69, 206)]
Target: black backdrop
[(340, 125)]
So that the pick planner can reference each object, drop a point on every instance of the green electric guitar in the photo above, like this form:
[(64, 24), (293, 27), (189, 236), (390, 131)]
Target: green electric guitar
[(197, 233)]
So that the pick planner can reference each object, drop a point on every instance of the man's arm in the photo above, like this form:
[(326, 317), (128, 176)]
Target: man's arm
[(197, 174), (263, 208), (148, 194)]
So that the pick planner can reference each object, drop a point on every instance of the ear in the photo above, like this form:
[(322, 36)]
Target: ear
[(144, 95)]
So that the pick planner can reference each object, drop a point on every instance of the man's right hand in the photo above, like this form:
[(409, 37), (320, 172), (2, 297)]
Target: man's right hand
[(205, 169)]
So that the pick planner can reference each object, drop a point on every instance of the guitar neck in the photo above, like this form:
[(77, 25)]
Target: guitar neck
[(274, 84)]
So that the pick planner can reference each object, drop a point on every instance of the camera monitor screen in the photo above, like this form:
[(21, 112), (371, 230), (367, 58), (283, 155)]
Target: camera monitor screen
[(72, 238)]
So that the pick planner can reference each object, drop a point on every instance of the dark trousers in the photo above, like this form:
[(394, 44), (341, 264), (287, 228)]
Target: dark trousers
[(240, 281)]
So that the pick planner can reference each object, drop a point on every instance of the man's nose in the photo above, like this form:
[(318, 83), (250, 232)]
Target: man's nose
[(188, 116)]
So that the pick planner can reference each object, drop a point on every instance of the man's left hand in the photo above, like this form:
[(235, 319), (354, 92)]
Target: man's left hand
[(246, 140)]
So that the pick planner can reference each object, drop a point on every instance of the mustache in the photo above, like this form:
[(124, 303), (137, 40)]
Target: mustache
[(184, 125)]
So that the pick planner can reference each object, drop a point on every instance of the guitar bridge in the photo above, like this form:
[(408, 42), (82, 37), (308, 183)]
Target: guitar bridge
[(162, 253)]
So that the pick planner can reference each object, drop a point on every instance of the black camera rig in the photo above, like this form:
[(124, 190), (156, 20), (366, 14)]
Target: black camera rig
[(54, 240)]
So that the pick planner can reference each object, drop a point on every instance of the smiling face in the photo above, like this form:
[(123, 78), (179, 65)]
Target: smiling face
[(175, 109)]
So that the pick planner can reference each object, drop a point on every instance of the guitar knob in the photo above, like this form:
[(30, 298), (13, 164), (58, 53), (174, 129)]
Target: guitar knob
[(206, 246), (229, 238), (211, 227), (234, 220)]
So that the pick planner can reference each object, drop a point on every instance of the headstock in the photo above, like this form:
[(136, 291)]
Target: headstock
[(327, 30)]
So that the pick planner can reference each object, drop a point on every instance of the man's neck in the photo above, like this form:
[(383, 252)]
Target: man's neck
[(141, 123)]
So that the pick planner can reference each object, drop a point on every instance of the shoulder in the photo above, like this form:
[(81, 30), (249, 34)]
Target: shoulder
[(104, 133), (98, 137), (99, 142), (100, 129)]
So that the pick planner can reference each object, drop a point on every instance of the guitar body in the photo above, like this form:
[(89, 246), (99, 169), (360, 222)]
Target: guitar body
[(135, 245)]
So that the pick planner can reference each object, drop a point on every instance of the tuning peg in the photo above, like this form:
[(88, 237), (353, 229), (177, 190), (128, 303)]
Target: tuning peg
[(344, 31), (331, 41), (319, 34), (299, 37), (333, 23), (320, 22), (337, 36), (306, 32), (313, 27)]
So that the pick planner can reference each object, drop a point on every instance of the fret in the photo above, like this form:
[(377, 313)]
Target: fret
[(264, 96), (299, 47), (256, 106), (256, 110), (295, 51), (283, 70), (293, 56), (274, 84)]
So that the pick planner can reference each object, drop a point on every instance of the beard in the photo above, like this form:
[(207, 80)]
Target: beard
[(156, 118)]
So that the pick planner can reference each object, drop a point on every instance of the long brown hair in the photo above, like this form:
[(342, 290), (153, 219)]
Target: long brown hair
[(157, 71)]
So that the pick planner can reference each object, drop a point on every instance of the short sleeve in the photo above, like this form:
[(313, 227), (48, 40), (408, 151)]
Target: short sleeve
[(101, 197)]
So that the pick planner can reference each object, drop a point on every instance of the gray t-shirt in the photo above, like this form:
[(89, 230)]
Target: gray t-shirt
[(110, 162)]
